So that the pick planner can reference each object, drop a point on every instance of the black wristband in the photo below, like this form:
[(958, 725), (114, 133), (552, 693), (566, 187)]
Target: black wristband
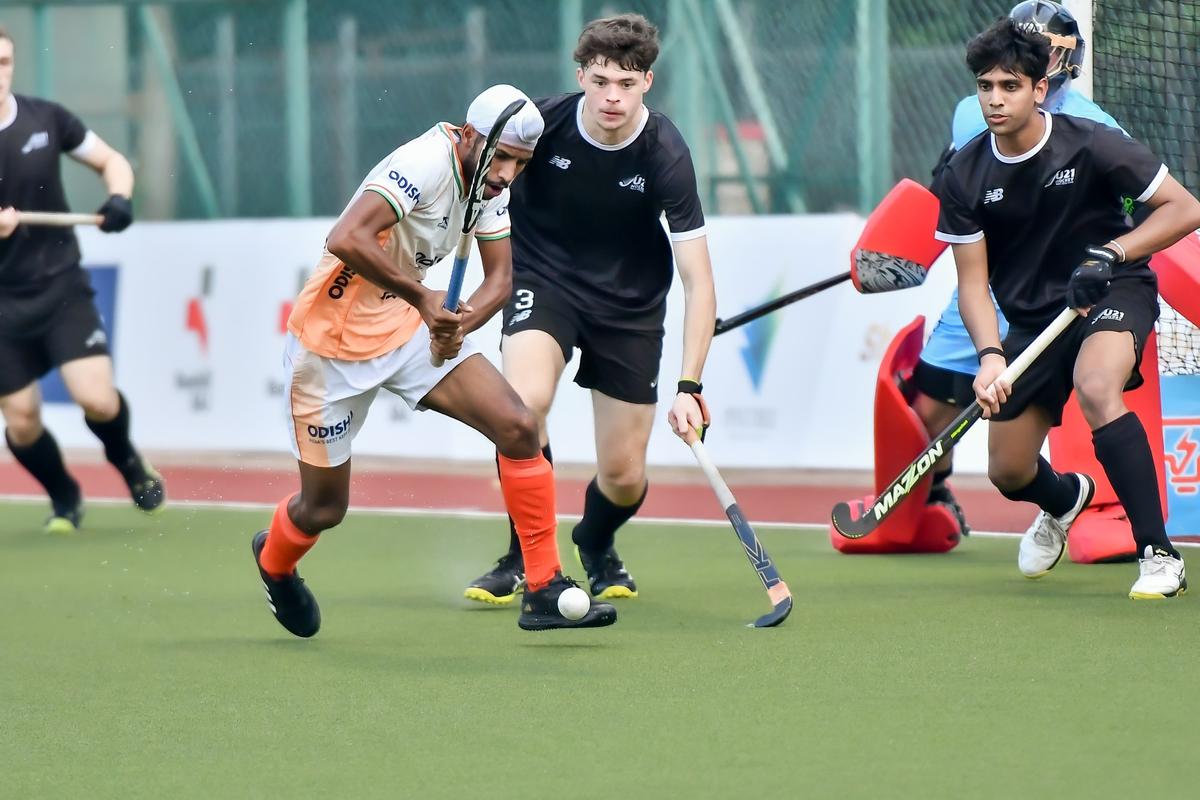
[(988, 351), (690, 387)]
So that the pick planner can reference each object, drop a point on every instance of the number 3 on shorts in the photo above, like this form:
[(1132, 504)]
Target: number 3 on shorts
[(524, 300)]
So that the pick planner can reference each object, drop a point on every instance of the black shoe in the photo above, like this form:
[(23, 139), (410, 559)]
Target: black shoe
[(500, 586), (66, 517), (145, 484), (607, 574), (289, 599), (539, 610), (941, 495)]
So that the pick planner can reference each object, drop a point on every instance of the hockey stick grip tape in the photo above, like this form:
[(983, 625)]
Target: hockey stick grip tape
[(1017, 368), (724, 496), (55, 219)]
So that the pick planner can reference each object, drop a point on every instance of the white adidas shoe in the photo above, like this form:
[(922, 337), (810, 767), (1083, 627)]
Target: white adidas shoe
[(1160, 576), (1043, 544)]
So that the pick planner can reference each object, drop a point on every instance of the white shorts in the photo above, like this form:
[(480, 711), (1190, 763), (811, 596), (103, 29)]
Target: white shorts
[(326, 399)]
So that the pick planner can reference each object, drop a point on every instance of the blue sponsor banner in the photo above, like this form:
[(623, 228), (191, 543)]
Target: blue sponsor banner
[(104, 281), (1181, 448)]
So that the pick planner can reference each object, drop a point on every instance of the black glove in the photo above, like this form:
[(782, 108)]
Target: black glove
[(117, 212), (1089, 281)]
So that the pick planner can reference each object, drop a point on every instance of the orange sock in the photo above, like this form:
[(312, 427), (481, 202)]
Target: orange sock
[(286, 544), (528, 487)]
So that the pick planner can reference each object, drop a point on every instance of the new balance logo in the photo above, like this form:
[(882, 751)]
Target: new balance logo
[(97, 337), (36, 142), (1064, 177), (993, 196), (560, 162), (637, 183), (520, 316), (1109, 313)]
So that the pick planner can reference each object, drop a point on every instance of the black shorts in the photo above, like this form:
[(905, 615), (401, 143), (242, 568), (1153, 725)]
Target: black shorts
[(621, 363), (943, 385), (1131, 305), (45, 330)]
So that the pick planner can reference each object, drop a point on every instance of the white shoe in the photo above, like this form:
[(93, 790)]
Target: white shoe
[(1159, 576), (1043, 544)]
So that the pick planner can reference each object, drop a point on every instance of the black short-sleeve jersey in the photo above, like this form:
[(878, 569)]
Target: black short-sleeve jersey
[(31, 146), (1038, 211), (586, 216)]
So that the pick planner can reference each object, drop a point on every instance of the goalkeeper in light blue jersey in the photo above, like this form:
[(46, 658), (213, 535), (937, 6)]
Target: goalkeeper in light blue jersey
[(948, 362)]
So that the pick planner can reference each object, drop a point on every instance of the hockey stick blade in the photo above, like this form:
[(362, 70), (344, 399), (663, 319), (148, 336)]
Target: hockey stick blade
[(777, 591), (868, 519), (898, 491)]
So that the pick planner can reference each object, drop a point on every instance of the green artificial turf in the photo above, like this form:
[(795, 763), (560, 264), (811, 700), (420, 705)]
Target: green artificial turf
[(138, 659)]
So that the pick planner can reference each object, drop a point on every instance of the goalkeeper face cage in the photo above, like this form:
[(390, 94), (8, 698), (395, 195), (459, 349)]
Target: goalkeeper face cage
[(1057, 24)]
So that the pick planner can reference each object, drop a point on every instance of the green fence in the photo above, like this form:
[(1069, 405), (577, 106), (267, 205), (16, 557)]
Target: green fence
[(278, 107), (1147, 75)]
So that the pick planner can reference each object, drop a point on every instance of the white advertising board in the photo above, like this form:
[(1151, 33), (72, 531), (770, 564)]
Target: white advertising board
[(199, 333)]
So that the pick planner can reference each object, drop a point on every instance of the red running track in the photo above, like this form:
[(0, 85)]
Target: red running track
[(443, 490)]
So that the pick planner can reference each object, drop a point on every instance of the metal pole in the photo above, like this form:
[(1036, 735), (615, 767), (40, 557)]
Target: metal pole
[(476, 36), (874, 111), (156, 43), (686, 99), (298, 111), (570, 23), (43, 64), (225, 56), (710, 58), (347, 103), (1082, 9), (743, 60)]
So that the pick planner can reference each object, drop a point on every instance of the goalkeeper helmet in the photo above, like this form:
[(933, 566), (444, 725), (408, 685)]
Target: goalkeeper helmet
[(1057, 24)]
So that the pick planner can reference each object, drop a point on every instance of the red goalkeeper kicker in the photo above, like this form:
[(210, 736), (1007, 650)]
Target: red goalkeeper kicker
[(897, 248)]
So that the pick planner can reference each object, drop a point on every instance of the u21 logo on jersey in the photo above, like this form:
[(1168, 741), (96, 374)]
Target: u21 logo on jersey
[(405, 186)]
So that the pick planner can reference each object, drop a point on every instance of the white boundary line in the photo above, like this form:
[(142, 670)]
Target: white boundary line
[(461, 513), (465, 513)]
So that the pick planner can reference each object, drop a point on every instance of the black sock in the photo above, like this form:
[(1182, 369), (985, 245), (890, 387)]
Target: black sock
[(940, 478), (1050, 491), (114, 435), (1124, 451), (514, 544), (44, 462), (601, 518)]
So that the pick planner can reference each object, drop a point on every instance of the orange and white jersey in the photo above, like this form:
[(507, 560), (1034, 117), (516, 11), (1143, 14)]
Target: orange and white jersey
[(341, 315)]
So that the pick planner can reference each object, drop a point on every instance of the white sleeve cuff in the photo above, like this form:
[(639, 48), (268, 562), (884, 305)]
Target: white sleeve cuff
[(952, 239), (85, 147), (1154, 184), (683, 236)]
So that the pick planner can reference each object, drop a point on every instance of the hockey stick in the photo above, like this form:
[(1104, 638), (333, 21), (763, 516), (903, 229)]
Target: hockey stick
[(474, 207), (738, 320), (894, 251), (56, 219), (869, 519), (777, 591)]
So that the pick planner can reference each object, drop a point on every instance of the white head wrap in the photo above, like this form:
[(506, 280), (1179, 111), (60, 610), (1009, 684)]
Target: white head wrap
[(521, 131)]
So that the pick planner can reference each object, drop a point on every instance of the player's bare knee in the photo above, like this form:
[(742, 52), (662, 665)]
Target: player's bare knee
[(624, 483), (1099, 397), (517, 434), (23, 423), (100, 406), (313, 518), (1009, 477)]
